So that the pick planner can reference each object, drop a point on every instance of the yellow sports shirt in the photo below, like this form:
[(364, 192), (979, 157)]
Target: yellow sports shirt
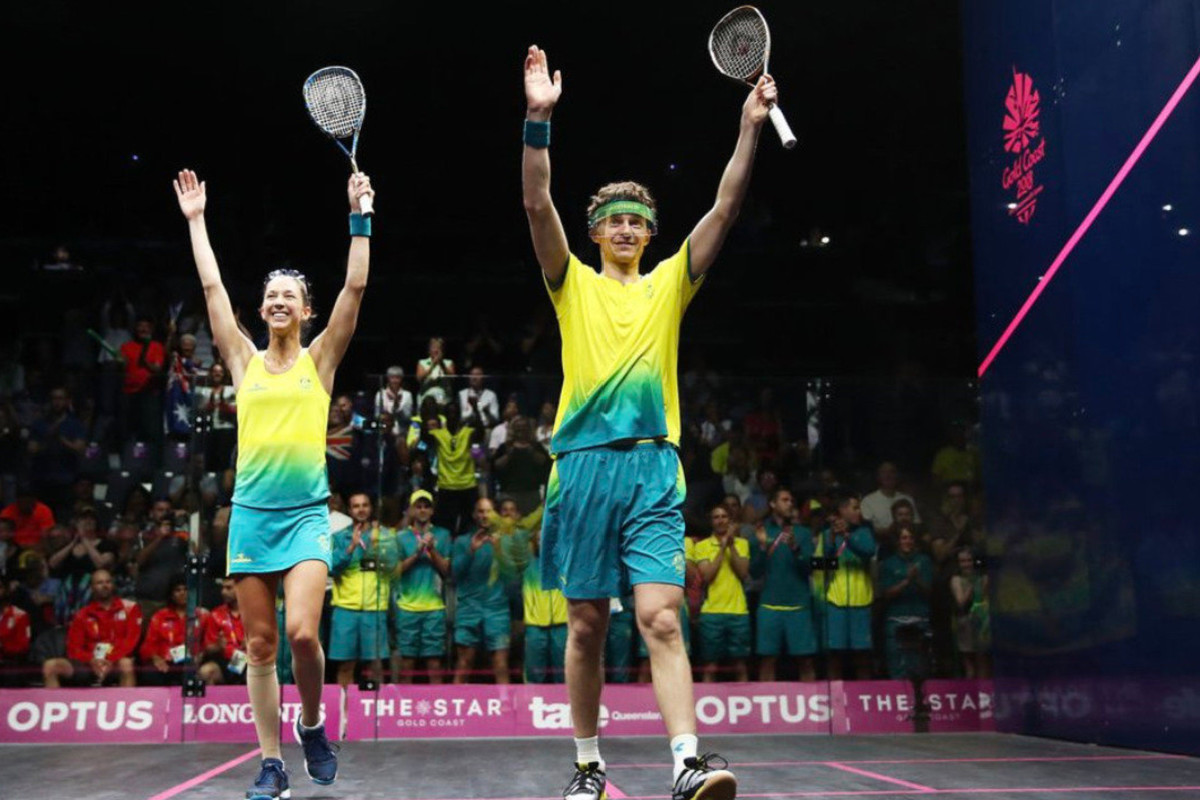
[(725, 594), (620, 353)]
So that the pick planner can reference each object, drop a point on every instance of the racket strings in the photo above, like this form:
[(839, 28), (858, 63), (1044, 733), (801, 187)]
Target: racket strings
[(336, 101), (739, 44)]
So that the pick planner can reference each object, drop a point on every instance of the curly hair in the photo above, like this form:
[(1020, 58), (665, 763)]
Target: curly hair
[(621, 190)]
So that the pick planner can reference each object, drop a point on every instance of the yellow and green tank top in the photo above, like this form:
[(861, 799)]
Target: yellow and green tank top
[(281, 436)]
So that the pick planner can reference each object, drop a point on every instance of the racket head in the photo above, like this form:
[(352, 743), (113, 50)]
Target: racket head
[(740, 44), (336, 101)]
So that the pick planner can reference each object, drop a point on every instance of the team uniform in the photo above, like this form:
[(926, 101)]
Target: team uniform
[(481, 617), (784, 617), (457, 486), (110, 632), (545, 628), (167, 638), (724, 615), (909, 609), (685, 622), (615, 495), (16, 633), (849, 592), (280, 516), (420, 609), (225, 625), (358, 627)]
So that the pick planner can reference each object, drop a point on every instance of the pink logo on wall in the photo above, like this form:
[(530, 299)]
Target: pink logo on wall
[(223, 714), (54, 716), (891, 707), (1022, 137)]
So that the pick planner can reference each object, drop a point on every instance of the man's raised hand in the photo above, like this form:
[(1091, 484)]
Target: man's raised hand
[(541, 91)]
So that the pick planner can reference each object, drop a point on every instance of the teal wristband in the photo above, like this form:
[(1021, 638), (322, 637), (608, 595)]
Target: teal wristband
[(537, 134), (360, 225)]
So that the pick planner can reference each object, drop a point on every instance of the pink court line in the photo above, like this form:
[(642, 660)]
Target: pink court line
[(614, 792), (876, 776), (888, 792), (1012, 759), (1116, 182), (204, 776)]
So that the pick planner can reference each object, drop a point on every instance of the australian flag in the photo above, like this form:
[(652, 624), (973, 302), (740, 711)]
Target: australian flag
[(178, 407)]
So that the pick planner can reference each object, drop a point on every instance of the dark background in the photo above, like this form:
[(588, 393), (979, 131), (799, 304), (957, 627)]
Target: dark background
[(1090, 415), (874, 94)]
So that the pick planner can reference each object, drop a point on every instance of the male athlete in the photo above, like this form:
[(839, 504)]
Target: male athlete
[(615, 496)]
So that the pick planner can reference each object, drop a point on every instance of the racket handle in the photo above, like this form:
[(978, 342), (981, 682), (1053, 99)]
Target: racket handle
[(367, 203), (781, 126)]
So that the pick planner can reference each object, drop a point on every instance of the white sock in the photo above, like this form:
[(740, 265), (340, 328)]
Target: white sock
[(683, 746), (588, 750)]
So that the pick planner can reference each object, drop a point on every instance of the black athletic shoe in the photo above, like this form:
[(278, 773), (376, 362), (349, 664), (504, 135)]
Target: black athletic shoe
[(588, 783), (700, 781)]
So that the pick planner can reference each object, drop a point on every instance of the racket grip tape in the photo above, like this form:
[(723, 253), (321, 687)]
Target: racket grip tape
[(367, 203), (781, 126)]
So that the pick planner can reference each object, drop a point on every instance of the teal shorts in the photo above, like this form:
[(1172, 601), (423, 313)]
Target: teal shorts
[(782, 632), (614, 519), (421, 634), (357, 635), (724, 636), (266, 540), (545, 653), (475, 625), (847, 628), (685, 624)]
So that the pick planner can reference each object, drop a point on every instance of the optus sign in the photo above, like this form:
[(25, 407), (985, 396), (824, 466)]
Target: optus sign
[(1023, 139)]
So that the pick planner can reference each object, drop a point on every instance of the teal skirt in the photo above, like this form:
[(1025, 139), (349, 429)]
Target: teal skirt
[(263, 540)]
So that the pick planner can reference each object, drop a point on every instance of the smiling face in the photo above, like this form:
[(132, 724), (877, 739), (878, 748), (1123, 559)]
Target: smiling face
[(622, 239), (285, 305)]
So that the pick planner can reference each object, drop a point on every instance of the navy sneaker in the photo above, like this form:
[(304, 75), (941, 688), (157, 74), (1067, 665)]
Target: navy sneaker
[(320, 757), (272, 782)]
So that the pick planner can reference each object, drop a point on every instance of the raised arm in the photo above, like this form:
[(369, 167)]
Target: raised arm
[(235, 347), (549, 238), (709, 234), (328, 348)]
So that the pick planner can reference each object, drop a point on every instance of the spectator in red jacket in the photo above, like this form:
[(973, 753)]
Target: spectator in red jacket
[(100, 641), (166, 644), (15, 635), (141, 390), (224, 640), (32, 518)]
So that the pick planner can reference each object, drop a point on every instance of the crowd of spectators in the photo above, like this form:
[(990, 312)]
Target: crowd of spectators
[(117, 478)]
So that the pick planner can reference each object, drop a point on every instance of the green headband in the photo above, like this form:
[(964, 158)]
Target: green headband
[(615, 207)]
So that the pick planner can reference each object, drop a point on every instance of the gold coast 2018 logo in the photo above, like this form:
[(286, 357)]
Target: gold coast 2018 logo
[(1023, 139)]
